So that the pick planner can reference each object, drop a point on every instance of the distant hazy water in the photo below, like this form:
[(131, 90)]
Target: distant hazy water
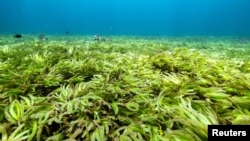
[(126, 17)]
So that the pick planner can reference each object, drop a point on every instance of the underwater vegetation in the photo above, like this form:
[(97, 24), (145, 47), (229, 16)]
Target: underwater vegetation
[(121, 90)]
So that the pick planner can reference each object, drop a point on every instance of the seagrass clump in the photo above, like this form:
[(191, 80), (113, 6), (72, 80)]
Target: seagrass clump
[(113, 91)]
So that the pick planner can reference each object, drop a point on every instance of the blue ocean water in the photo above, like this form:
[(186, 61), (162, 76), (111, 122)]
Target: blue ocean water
[(126, 17)]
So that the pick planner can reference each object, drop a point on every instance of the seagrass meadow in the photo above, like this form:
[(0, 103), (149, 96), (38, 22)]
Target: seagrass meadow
[(72, 88)]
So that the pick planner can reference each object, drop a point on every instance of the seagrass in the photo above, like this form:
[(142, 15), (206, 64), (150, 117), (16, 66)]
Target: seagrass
[(127, 89)]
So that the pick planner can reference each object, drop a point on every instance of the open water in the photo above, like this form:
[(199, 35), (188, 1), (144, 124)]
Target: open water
[(126, 17)]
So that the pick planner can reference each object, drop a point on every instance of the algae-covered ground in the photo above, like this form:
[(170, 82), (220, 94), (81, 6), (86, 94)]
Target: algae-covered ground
[(124, 89)]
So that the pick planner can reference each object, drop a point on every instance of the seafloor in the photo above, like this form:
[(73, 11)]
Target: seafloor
[(124, 88)]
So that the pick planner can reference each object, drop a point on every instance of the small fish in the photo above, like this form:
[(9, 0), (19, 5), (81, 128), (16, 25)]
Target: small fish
[(42, 37), (103, 39), (18, 36), (67, 32), (96, 37)]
